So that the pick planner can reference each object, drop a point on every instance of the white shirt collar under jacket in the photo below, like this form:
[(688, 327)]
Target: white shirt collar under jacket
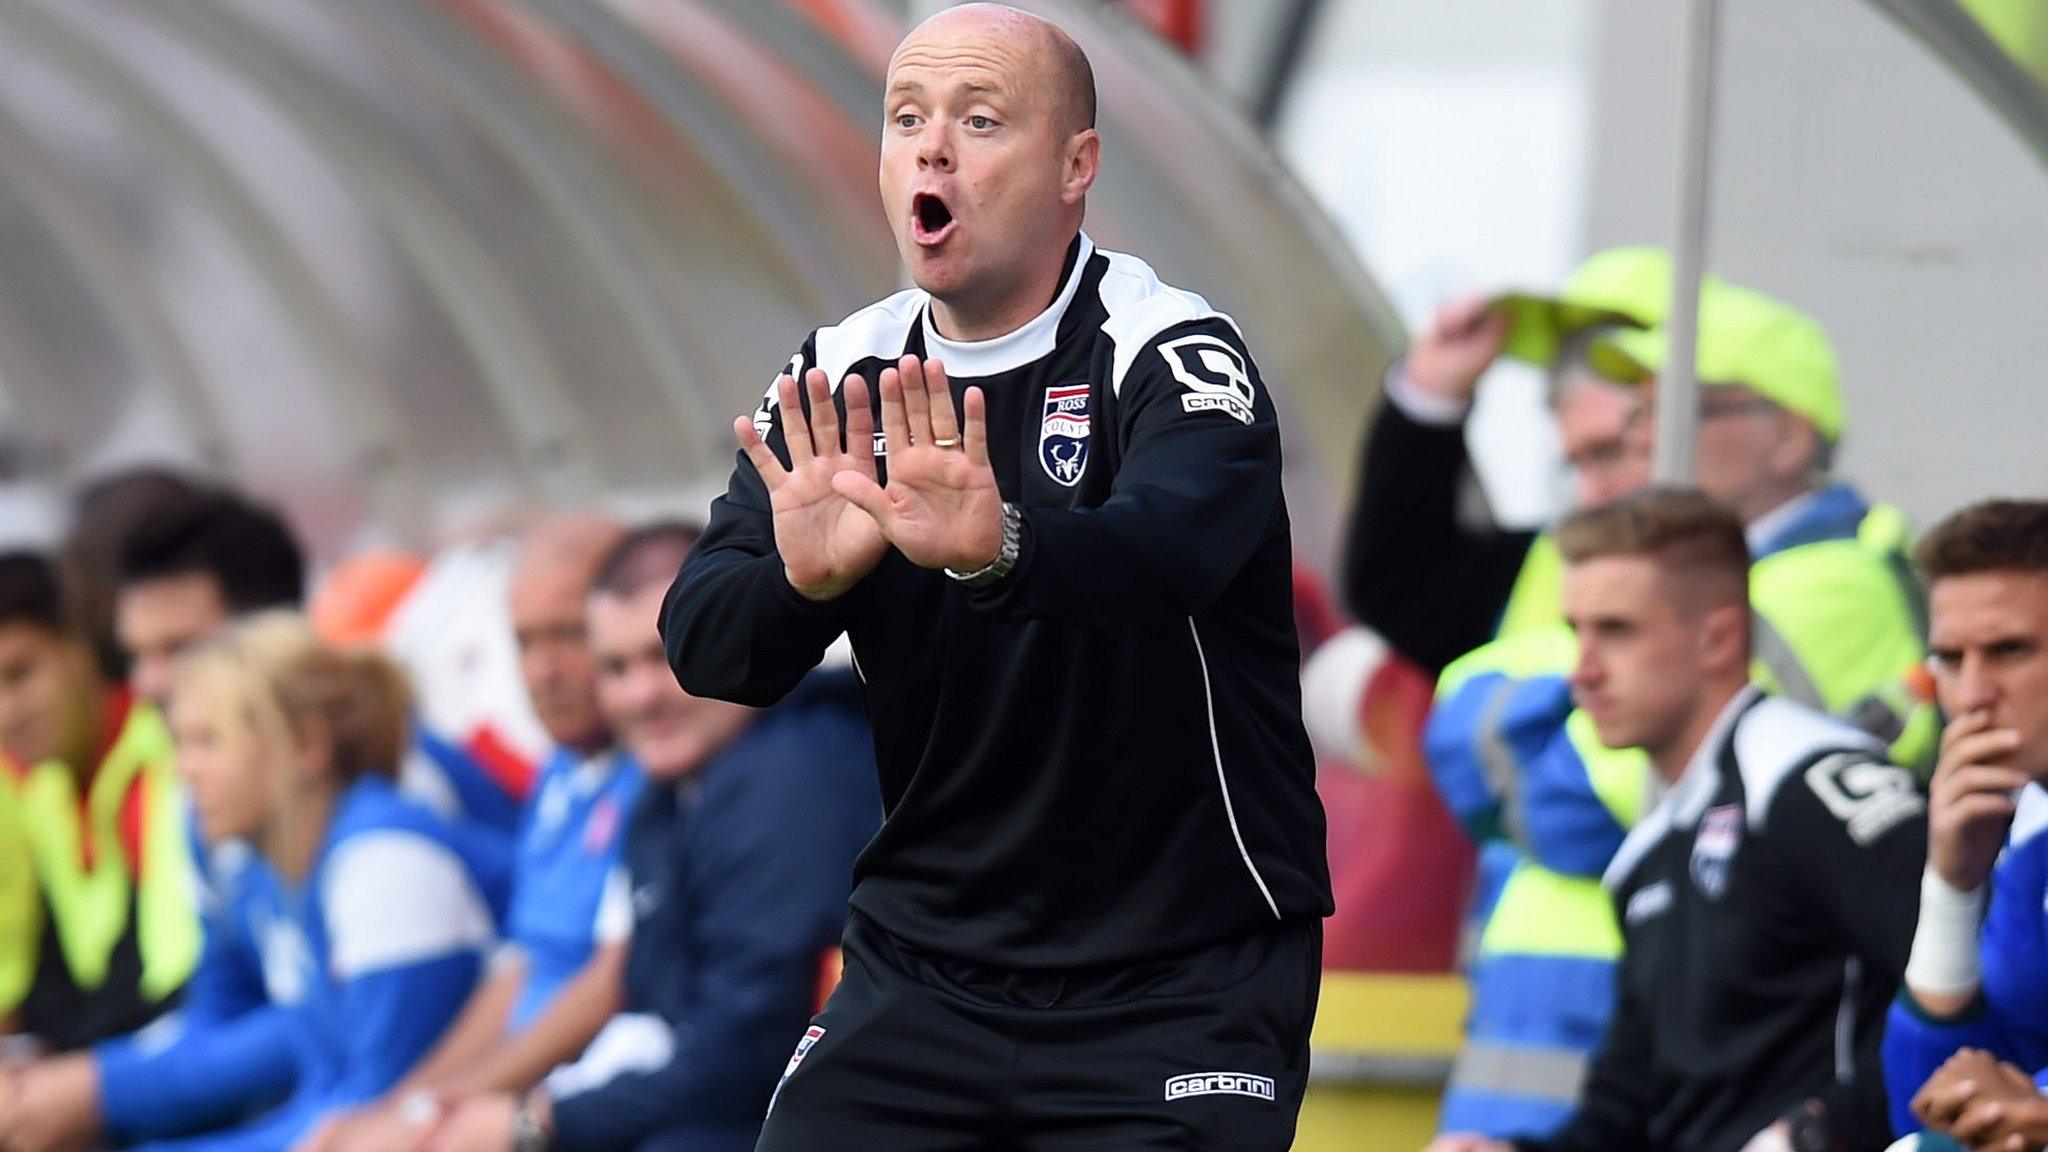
[(973, 359)]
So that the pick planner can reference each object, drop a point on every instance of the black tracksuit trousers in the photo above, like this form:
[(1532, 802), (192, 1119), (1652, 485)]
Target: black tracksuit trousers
[(919, 1053)]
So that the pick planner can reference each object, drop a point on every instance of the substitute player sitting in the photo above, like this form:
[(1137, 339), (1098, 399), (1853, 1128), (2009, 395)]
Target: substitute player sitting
[(1766, 902), (1091, 918), (1968, 1038)]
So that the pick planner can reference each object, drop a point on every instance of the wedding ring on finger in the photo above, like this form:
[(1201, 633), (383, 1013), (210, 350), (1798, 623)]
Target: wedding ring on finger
[(946, 442)]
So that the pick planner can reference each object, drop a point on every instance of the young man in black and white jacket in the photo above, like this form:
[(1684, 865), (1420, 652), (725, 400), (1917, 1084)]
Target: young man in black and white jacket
[(1768, 900)]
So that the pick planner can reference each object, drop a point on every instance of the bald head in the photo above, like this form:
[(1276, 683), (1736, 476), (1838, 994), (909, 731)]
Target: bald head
[(573, 543), (558, 559), (1054, 54), (987, 158)]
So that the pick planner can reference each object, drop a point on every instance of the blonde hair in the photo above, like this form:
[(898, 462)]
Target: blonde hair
[(270, 680)]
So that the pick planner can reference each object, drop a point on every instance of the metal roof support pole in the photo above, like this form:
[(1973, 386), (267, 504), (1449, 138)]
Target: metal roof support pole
[(1678, 408), (1953, 34)]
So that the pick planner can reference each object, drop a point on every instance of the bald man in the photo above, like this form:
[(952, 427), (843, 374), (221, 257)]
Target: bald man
[(1092, 917)]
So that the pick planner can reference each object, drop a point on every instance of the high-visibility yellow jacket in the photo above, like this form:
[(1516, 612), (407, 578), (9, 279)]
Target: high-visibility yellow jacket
[(117, 932)]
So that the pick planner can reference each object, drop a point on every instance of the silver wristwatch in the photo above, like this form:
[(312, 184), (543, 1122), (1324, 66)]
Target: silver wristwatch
[(1006, 555), (527, 1134)]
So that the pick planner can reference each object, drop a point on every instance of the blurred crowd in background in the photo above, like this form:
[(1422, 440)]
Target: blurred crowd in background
[(288, 869), (350, 858)]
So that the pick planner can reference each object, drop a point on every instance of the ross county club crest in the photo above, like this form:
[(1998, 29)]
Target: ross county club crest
[(1713, 849), (1063, 433)]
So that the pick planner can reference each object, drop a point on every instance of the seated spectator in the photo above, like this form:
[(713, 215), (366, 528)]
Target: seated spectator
[(183, 561), (1766, 903), (106, 511), (556, 981), (370, 922), (1967, 1045), (89, 771), (739, 859), (184, 574)]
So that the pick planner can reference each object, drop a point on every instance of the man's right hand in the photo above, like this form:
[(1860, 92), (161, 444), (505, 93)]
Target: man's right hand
[(1468, 1142), (827, 542), (1970, 803), (1461, 342)]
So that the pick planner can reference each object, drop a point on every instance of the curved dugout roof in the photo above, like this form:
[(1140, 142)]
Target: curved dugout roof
[(396, 262)]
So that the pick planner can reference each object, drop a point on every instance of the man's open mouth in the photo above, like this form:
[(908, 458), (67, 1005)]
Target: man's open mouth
[(931, 220)]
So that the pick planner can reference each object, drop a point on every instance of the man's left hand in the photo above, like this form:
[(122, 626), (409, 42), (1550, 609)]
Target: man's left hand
[(2009, 1115), (1953, 1087), (941, 508), (382, 1129), (55, 1106), (480, 1123)]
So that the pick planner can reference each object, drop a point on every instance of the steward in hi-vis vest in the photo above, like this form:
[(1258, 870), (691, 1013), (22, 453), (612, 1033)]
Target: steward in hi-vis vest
[(113, 932)]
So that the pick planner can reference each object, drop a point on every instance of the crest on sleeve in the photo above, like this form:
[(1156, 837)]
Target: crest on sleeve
[(1063, 433), (1214, 374)]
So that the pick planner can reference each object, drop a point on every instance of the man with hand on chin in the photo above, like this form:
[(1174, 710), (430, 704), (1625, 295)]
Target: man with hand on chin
[(1967, 1043), (1092, 915)]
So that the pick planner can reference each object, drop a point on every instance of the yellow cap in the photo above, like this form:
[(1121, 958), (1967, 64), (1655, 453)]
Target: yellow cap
[(1629, 287), (1745, 338)]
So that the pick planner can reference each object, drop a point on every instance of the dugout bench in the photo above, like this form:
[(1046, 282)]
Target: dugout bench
[(1382, 1049)]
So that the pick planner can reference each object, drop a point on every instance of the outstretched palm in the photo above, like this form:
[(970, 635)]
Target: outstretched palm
[(827, 543), (941, 508)]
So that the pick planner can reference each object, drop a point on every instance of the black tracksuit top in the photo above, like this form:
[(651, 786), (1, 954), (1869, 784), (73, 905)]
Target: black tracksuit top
[(1099, 759), (1768, 905)]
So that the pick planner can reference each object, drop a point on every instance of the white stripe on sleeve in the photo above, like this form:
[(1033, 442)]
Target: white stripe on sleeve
[(394, 898)]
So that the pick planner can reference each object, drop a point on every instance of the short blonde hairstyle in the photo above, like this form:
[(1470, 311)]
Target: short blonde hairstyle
[(234, 677), (270, 676)]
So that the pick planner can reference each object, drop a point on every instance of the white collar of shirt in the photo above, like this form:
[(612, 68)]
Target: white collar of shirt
[(974, 359), (1696, 787), (1760, 530)]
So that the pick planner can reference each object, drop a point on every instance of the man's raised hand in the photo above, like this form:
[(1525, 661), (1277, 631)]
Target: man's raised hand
[(941, 508), (1971, 801), (827, 544), (1461, 342)]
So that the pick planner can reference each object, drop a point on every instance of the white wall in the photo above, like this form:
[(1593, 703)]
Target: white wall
[(1475, 143), (1858, 178), (1450, 140)]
